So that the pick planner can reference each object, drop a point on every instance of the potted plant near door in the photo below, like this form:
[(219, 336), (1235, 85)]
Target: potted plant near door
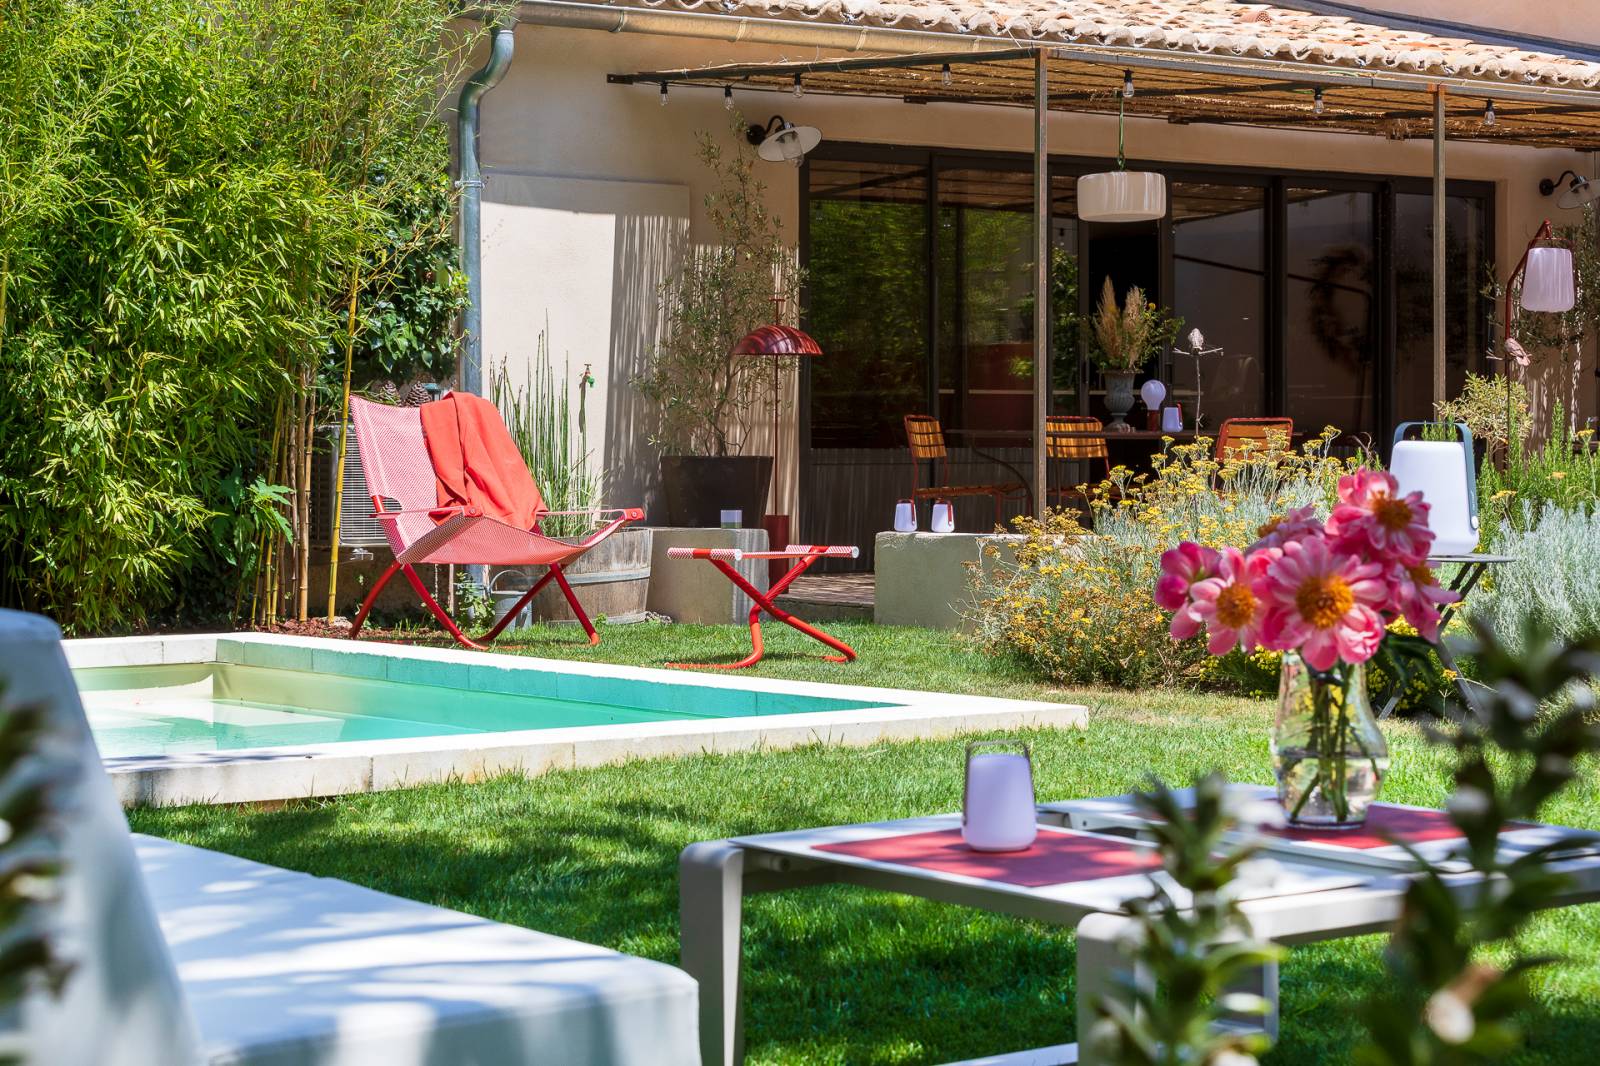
[(705, 396), (1125, 338)]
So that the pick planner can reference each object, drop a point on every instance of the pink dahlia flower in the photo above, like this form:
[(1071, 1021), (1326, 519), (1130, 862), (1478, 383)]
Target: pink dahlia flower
[(1323, 601), (1228, 605), (1371, 513), (1181, 567), (1297, 524), (1419, 596)]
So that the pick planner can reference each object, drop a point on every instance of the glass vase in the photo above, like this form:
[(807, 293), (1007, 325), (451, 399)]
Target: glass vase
[(1328, 753)]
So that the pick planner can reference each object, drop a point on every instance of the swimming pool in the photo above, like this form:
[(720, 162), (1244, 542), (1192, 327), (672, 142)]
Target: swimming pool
[(256, 717), (222, 706)]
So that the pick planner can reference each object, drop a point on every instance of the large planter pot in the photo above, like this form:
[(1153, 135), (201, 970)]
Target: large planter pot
[(1119, 397), (698, 488), (611, 581)]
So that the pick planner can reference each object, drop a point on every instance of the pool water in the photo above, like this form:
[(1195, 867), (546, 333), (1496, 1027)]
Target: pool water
[(211, 707)]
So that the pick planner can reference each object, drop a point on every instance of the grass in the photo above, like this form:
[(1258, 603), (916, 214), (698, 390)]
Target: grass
[(837, 975)]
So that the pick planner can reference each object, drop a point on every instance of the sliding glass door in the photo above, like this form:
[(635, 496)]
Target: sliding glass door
[(1330, 364)]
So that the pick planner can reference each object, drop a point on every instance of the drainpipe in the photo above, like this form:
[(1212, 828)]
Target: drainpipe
[(502, 42)]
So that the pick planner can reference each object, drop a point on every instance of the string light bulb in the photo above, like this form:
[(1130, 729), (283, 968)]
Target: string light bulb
[(727, 98), (799, 89), (663, 94), (1127, 85), (1316, 101), (945, 76), (1488, 113)]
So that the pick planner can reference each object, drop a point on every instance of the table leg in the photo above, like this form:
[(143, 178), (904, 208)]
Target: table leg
[(1103, 966), (1465, 579), (1261, 981), (711, 914)]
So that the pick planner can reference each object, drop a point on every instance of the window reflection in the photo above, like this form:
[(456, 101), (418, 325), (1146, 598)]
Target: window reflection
[(868, 289), (1466, 318), (1331, 361), (1219, 276)]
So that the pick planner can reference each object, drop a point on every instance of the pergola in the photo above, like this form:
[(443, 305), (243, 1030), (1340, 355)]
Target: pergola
[(1204, 64)]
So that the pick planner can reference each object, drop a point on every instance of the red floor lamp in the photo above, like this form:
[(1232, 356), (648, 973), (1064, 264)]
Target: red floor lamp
[(778, 343)]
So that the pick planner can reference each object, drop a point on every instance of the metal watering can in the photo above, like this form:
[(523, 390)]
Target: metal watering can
[(1446, 473)]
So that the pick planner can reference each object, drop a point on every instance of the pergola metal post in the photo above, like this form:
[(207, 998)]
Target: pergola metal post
[(1439, 331), (1041, 272)]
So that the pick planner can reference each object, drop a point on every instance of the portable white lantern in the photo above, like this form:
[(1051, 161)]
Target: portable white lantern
[(997, 799), (1446, 474), (1548, 283)]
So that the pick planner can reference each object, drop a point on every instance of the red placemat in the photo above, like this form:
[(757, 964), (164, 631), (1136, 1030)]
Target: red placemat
[(1412, 826), (1054, 858)]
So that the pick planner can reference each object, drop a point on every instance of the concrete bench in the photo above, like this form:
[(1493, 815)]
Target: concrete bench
[(186, 957)]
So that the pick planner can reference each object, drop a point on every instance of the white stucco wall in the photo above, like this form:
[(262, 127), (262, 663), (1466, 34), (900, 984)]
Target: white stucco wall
[(555, 117)]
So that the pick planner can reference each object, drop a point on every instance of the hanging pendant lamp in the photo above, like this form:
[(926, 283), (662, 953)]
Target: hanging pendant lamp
[(1122, 195)]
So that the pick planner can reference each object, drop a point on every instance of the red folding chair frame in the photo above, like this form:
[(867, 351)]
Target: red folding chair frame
[(721, 558)]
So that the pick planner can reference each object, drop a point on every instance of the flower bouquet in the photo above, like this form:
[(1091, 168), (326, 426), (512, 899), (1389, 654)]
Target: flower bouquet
[(1323, 593)]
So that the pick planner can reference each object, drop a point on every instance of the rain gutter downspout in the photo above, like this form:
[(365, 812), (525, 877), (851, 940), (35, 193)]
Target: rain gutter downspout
[(502, 43)]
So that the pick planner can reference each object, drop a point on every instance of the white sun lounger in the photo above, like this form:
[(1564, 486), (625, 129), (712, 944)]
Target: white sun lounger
[(251, 965)]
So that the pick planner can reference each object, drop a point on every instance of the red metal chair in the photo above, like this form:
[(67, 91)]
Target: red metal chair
[(1257, 435), (925, 438), (1063, 445), (394, 459)]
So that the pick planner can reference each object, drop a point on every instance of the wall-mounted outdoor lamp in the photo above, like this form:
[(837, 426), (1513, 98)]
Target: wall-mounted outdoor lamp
[(1578, 192), (782, 141)]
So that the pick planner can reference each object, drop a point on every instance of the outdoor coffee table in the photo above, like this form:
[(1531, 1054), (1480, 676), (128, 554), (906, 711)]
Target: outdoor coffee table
[(1065, 878), (1072, 878), (803, 555)]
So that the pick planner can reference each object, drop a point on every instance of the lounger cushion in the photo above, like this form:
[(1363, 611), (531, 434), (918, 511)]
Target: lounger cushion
[(285, 969), (123, 1005)]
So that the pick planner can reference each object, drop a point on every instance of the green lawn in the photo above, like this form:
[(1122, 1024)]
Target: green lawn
[(837, 975)]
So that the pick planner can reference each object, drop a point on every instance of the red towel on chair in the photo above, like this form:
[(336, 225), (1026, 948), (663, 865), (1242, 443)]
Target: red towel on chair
[(476, 462)]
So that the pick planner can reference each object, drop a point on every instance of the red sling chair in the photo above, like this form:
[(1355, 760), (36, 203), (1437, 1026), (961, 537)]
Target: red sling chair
[(395, 460)]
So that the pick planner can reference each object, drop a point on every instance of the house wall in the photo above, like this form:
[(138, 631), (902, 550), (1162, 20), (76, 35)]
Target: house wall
[(1560, 20), (555, 117)]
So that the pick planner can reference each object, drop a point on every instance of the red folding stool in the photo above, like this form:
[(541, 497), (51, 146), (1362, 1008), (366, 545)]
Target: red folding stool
[(804, 555)]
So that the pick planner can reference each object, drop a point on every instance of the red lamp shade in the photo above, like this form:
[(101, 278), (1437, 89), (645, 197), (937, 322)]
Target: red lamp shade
[(777, 341)]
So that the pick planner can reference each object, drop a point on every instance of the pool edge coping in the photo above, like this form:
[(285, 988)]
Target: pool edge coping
[(273, 774)]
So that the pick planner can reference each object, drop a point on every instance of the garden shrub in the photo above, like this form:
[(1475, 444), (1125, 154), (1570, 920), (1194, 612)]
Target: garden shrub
[(1551, 581), (1563, 472), (188, 196), (1076, 604)]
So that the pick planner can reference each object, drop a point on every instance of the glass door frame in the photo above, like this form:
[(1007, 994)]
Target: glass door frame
[(1276, 181)]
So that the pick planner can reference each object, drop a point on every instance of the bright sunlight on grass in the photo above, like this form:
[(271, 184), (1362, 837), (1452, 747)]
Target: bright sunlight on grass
[(837, 975)]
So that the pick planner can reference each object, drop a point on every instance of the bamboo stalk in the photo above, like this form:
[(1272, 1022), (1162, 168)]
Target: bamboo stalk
[(302, 590), (344, 440)]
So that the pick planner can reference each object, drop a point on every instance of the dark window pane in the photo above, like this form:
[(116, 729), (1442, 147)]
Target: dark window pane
[(1331, 359), (1466, 318), (985, 298), (1219, 277), (867, 279)]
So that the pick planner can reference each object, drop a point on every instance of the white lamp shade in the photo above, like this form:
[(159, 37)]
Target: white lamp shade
[(1122, 196), (1153, 392), (1548, 284)]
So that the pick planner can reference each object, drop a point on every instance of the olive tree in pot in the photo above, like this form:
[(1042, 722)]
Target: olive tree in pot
[(705, 397)]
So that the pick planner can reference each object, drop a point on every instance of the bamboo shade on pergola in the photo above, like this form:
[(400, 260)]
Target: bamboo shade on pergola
[(1182, 89)]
